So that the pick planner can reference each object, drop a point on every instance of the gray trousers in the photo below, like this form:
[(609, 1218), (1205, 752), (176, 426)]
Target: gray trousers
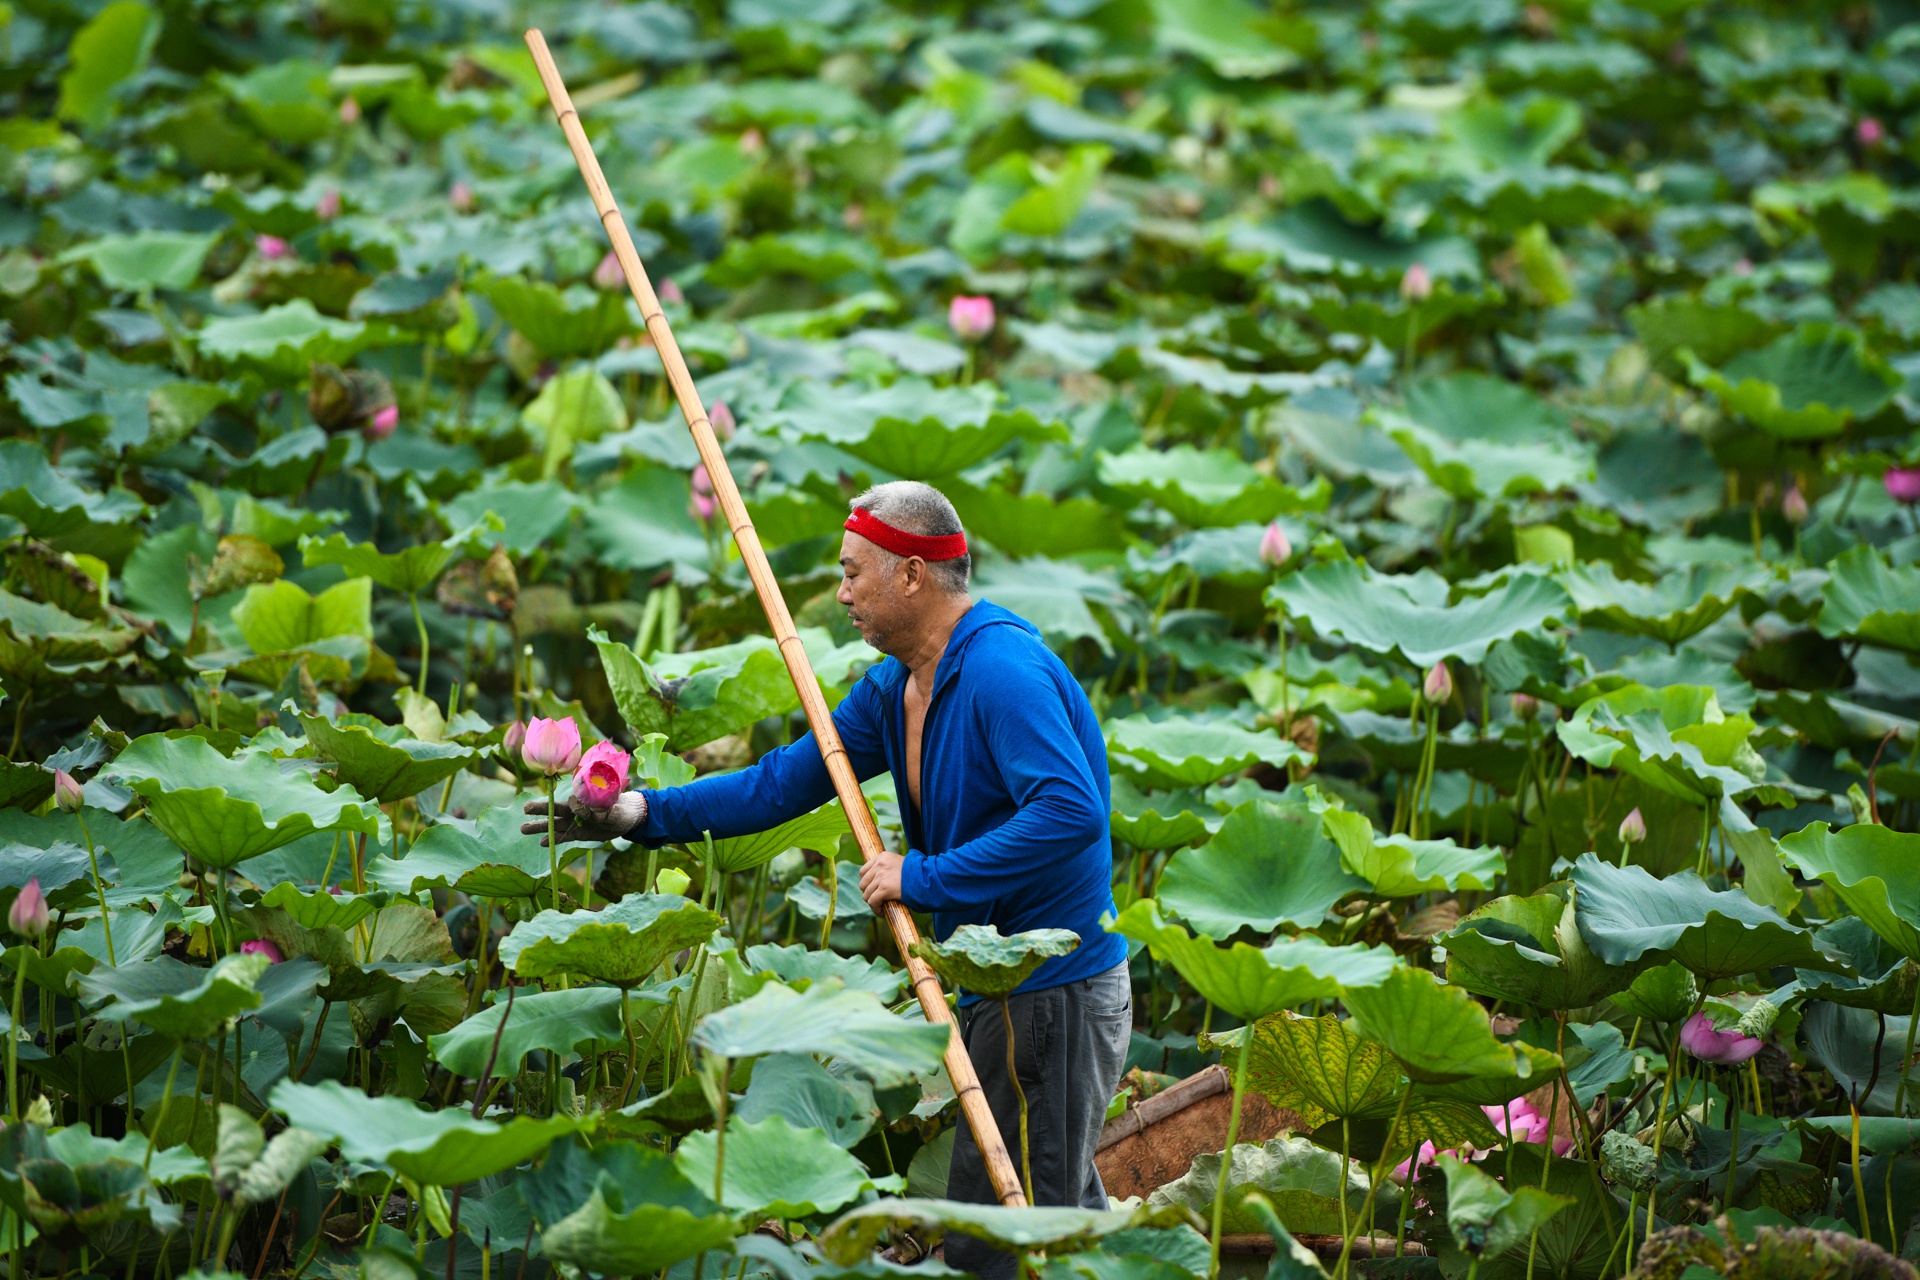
[(1069, 1044)]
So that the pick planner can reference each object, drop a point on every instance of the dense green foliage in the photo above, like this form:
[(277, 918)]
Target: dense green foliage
[(1467, 452)]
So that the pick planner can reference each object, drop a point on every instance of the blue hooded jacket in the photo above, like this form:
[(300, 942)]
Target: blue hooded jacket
[(1013, 791)]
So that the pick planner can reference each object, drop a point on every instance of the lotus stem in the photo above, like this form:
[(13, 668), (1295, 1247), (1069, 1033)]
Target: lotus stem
[(633, 1047), (1859, 1183), (720, 1132), (326, 877), (1406, 1199), (1906, 1061), (166, 1101), (1286, 687), (426, 647), (833, 900), (13, 1037), (553, 848), (1013, 1074), (106, 920), (1733, 1124), (1373, 1184), (1666, 1095), (1226, 1157)]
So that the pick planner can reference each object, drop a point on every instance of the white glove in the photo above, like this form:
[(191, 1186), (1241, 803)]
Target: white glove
[(575, 820)]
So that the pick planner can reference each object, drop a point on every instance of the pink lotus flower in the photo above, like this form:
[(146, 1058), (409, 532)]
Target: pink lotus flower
[(349, 111), (1728, 1048), (67, 793), (1527, 1125), (1275, 550), (29, 915), (670, 292), (608, 274), (1633, 828), (513, 744), (1870, 132), (460, 196), (260, 946), (1744, 267), (970, 318), (1903, 484), (1416, 285), (1794, 505), (272, 247), (1525, 706), (552, 747), (752, 142), (722, 420), (1438, 686), (382, 423), (704, 504), (602, 776), (327, 207)]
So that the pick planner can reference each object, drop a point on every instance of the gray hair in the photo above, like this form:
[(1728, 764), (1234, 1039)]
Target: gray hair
[(923, 509)]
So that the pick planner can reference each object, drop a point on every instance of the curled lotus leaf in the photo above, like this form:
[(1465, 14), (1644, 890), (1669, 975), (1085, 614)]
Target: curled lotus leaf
[(1187, 753), (622, 944), (180, 1001), (380, 761), (1874, 870), (1868, 599), (1398, 866), (434, 1148), (554, 1021), (1040, 1229), (1412, 614), (1304, 1182), (825, 1019), (1529, 951), (980, 959), (1440, 1033)]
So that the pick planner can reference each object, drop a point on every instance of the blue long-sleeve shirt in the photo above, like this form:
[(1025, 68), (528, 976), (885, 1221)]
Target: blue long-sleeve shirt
[(1014, 801)]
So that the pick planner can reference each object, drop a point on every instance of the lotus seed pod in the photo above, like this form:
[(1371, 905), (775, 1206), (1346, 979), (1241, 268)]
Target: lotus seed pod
[(1626, 1161), (1758, 1020)]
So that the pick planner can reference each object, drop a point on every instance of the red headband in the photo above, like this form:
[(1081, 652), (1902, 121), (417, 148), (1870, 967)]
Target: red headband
[(945, 546)]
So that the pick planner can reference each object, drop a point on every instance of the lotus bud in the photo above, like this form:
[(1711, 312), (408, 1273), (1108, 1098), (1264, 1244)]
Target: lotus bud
[(703, 504), (271, 247), (1633, 828), (327, 207), (970, 318), (1794, 505), (752, 141), (261, 947), (40, 1112), (349, 111), (460, 196), (670, 292), (382, 423), (1627, 1162), (1903, 484), (1438, 686), (1416, 285), (1743, 267), (608, 275), (1758, 1020), (512, 747), (1727, 1048), (722, 420), (1526, 707), (552, 747), (602, 776), (671, 880), (1275, 550), (1870, 132), (66, 792), (28, 917)]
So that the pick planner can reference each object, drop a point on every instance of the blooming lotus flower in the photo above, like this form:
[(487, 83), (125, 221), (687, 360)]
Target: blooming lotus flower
[(382, 423), (66, 792), (1517, 1119), (602, 776), (1417, 284), (29, 915), (1794, 505), (1274, 547), (608, 275), (1728, 1048), (1438, 686), (1633, 828), (551, 747), (704, 504), (1903, 484), (970, 318), (721, 418), (349, 111), (460, 196), (271, 247), (327, 207), (1870, 132), (260, 946)]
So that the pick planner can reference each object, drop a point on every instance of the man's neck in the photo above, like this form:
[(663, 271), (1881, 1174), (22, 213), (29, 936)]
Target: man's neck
[(923, 654)]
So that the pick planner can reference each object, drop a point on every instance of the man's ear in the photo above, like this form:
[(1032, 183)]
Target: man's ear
[(916, 569)]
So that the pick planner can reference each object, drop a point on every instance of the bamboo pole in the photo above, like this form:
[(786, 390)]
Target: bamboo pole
[(966, 1084)]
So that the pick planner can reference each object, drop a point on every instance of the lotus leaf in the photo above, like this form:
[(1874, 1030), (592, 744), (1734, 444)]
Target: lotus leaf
[(796, 1086), (1206, 489), (1887, 981), (980, 959), (620, 1209), (1040, 1229), (1321, 1069), (50, 504), (1867, 599), (1440, 1034), (1398, 866), (1269, 864), (73, 1205), (412, 570), (622, 944), (1673, 608), (286, 339), (1304, 1182), (774, 1170), (1664, 993), (1530, 951), (281, 616), (223, 811), (553, 1021), (380, 762), (1409, 614), (1187, 753), (322, 909), (1675, 739), (1486, 1220), (1158, 821), (1251, 982), (1860, 1049), (820, 830), (1874, 870), (448, 858), (179, 1001), (1805, 385), (1628, 917), (828, 1018), (434, 1148)]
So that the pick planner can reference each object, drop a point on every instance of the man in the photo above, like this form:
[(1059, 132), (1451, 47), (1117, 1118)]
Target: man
[(1001, 770)]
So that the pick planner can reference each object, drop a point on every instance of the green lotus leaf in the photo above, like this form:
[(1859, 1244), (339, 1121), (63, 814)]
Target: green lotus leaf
[(1860, 1049), (42, 642), (911, 428), (620, 1209), (826, 1018), (704, 694), (576, 321), (1866, 599), (796, 1086), (1882, 1135), (380, 761), (1269, 864), (224, 811), (1630, 918), (1674, 607), (800, 966), (1806, 385), (1440, 1034), (24, 784), (1664, 993), (1485, 1219), (1206, 489), (1304, 1182), (980, 959), (1398, 866), (145, 259), (1252, 982), (531, 515), (411, 570), (774, 1170), (48, 503), (1314, 239), (1032, 524), (1675, 739), (1529, 951), (554, 1021), (73, 1205), (1409, 614), (820, 831), (622, 944), (1055, 596), (285, 340), (276, 617), (1874, 870), (495, 862), (1887, 982), (1714, 332), (1159, 820), (1039, 1229), (1189, 753), (1478, 436), (322, 909), (179, 1001), (434, 1148), (1322, 1069)]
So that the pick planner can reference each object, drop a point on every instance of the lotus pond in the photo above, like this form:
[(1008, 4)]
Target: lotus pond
[(1466, 450)]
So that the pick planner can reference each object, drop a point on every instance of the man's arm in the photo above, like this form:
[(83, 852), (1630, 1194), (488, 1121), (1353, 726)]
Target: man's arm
[(1058, 807)]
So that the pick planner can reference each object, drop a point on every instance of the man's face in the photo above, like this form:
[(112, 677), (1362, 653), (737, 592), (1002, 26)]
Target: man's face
[(875, 589)]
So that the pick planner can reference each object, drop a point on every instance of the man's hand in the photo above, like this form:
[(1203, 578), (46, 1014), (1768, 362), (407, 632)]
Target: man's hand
[(880, 878), (576, 821)]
